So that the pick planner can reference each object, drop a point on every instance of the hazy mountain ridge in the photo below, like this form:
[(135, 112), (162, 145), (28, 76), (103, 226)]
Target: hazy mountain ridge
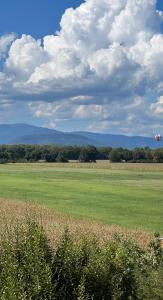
[(28, 134)]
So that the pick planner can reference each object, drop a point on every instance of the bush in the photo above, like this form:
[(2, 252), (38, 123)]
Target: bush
[(85, 270), (117, 270), (25, 265)]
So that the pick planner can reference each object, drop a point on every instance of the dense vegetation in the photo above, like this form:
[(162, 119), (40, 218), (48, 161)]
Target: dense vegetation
[(29, 153), (31, 269)]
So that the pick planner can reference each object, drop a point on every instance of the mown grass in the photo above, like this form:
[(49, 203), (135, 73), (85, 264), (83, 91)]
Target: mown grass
[(127, 195)]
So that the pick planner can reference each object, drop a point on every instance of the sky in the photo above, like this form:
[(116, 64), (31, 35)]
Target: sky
[(82, 65)]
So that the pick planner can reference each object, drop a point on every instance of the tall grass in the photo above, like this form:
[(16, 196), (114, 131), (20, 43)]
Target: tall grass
[(30, 268), (14, 212)]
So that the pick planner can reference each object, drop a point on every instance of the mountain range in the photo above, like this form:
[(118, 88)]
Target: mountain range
[(29, 134)]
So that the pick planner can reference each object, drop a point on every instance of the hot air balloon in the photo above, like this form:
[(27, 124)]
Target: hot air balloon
[(157, 137)]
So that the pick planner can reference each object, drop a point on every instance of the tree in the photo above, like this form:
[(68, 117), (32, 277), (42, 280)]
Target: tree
[(115, 156), (51, 157), (4, 157), (158, 156), (127, 155), (61, 157), (88, 154), (139, 154), (103, 153)]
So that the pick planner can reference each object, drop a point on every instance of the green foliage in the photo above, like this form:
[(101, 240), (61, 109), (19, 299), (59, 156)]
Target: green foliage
[(139, 154), (61, 157), (88, 154), (51, 157), (33, 153), (25, 264), (158, 156), (103, 153), (115, 155), (117, 270), (68, 268), (85, 270)]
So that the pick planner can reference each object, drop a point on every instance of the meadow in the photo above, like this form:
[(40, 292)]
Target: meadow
[(125, 195)]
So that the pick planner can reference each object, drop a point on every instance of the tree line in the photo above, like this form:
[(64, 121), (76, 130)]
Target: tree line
[(34, 153)]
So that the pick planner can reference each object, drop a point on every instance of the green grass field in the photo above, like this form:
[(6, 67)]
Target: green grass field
[(129, 195)]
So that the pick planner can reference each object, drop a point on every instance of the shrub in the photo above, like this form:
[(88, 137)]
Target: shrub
[(68, 268), (117, 270), (25, 265), (85, 270)]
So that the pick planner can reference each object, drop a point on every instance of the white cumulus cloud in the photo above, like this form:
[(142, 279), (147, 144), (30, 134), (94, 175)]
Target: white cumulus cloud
[(106, 54), (5, 42)]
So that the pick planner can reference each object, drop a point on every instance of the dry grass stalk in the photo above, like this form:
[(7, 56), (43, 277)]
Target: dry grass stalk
[(54, 224)]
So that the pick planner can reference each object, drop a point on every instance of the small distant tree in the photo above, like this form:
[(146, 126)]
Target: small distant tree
[(51, 157), (158, 156), (139, 154), (61, 157), (148, 155), (4, 157), (127, 155), (83, 157), (88, 154), (115, 156), (103, 153)]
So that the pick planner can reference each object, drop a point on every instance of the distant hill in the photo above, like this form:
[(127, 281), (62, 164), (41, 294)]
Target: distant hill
[(124, 141), (28, 134)]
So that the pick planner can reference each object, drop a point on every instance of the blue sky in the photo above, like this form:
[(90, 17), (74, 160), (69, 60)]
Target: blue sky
[(35, 17), (98, 74), (160, 4)]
